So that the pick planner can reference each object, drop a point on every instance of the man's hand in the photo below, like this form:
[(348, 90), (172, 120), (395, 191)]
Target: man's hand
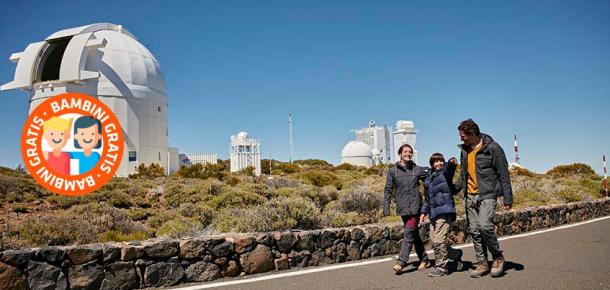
[(508, 206)]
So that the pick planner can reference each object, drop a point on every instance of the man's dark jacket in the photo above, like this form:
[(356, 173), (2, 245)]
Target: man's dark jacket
[(493, 178), (403, 181)]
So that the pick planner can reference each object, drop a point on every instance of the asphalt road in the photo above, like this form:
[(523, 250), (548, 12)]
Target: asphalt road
[(570, 258)]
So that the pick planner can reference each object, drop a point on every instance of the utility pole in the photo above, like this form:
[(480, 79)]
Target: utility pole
[(290, 137), (605, 175)]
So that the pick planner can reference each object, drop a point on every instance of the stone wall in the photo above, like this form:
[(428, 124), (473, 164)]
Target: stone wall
[(167, 262)]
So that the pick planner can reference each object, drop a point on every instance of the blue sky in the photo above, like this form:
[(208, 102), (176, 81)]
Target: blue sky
[(537, 68)]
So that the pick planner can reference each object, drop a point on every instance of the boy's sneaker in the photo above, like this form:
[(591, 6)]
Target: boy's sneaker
[(423, 264), (437, 272), (497, 267), (481, 270), (459, 266)]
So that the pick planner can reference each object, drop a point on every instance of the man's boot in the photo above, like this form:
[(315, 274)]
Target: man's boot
[(497, 267), (481, 270)]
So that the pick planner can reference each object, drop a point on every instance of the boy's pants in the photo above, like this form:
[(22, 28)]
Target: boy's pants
[(439, 230)]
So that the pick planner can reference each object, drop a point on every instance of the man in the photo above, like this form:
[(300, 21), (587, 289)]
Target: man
[(484, 177)]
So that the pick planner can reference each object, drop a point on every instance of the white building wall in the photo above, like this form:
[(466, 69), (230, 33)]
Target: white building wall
[(404, 133), (201, 158), (245, 152), (377, 138)]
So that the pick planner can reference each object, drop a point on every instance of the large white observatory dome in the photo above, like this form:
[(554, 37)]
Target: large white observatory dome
[(106, 61), (357, 153)]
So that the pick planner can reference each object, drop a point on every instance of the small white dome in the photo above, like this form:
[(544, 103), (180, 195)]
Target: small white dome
[(242, 135), (356, 149)]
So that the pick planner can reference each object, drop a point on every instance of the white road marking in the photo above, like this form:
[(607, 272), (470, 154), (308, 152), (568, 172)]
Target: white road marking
[(373, 261)]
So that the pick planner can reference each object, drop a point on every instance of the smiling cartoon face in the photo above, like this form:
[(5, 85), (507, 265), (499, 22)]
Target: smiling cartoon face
[(57, 132), (56, 139), (88, 138)]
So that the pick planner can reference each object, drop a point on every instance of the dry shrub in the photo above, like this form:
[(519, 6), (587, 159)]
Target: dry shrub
[(361, 200), (276, 214)]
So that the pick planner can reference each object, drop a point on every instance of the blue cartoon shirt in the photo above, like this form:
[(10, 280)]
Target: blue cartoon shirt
[(85, 163)]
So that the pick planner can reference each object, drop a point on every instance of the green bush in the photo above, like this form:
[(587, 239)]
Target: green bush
[(569, 196), (64, 202), (235, 197), (139, 214), (526, 197), (151, 171), (19, 208), (321, 178), (285, 168), (120, 200), (115, 236), (218, 170), (276, 214), (520, 171), (179, 227), (572, 169), (361, 200), (178, 191), (80, 224), (320, 196)]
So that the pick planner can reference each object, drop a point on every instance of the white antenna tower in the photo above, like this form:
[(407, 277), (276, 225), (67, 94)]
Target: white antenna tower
[(290, 136)]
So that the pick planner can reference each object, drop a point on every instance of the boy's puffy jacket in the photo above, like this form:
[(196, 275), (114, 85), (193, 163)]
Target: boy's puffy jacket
[(439, 192)]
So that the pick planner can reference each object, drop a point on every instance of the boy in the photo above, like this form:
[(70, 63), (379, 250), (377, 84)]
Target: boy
[(56, 131), (440, 207)]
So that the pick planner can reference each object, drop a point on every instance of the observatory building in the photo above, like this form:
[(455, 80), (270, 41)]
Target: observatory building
[(187, 159), (357, 153), (105, 61), (378, 139), (245, 152), (405, 133)]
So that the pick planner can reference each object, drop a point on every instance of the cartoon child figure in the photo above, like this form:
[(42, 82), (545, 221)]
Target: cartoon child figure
[(56, 131), (87, 136)]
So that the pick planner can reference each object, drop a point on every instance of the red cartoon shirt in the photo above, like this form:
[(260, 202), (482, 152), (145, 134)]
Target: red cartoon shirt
[(61, 163)]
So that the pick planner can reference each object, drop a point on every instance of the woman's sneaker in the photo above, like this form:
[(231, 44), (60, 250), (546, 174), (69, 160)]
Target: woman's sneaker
[(423, 264), (399, 269)]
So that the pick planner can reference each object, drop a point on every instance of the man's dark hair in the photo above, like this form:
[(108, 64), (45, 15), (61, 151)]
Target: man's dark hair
[(403, 147), (436, 157), (469, 127)]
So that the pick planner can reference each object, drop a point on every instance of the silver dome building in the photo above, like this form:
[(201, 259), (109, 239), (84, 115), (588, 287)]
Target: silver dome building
[(105, 61)]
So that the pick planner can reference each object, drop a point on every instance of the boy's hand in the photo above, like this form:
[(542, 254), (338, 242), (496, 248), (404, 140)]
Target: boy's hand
[(508, 206), (453, 161)]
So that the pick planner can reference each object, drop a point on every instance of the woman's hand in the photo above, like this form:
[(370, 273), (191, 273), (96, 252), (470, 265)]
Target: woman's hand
[(422, 219)]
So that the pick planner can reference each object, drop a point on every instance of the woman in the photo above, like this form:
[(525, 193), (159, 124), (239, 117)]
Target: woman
[(403, 183)]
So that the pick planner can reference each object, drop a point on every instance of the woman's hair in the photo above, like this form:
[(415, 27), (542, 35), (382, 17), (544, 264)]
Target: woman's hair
[(402, 147), (436, 157), (86, 122)]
